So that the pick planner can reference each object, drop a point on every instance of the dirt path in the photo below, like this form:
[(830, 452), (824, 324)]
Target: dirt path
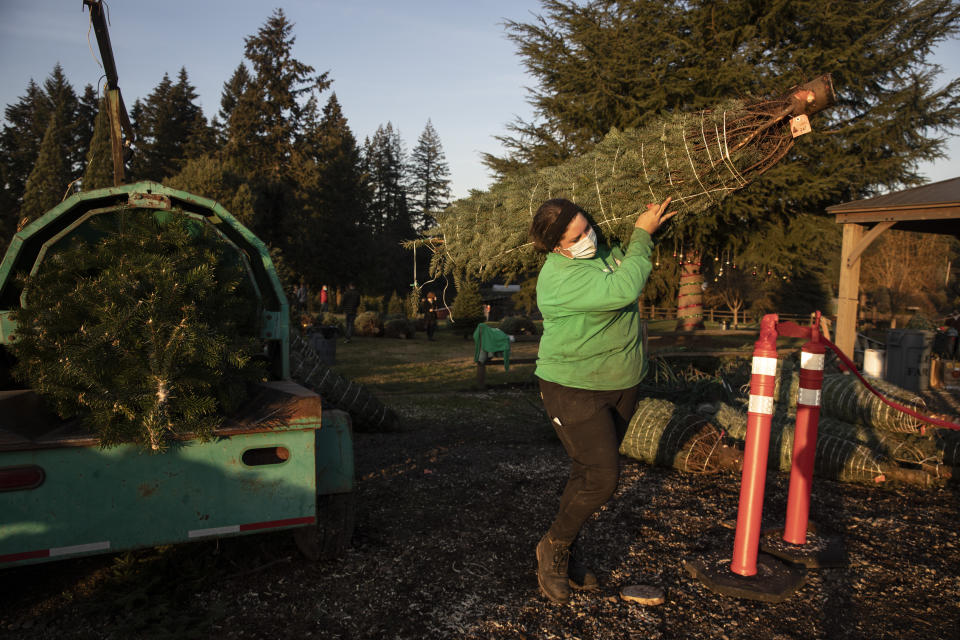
[(450, 508)]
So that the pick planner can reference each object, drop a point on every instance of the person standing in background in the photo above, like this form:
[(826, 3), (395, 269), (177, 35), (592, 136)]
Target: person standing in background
[(351, 302), (324, 299), (430, 314), (300, 296)]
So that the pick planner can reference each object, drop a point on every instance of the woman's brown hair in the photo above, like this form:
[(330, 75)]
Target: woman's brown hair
[(550, 222)]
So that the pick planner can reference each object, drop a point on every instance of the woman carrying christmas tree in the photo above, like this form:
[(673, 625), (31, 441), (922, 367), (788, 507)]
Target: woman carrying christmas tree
[(590, 365)]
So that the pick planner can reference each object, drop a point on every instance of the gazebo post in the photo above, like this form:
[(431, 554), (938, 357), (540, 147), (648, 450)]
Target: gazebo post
[(931, 208), (849, 289)]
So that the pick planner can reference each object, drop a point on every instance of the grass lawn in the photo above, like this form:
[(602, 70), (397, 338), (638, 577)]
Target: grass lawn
[(391, 365), (398, 366)]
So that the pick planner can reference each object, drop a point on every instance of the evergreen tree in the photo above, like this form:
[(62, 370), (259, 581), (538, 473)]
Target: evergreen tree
[(598, 66), (467, 308), (51, 175), (429, 177), (265, 129), (341, 198), (20, 140), (27, 121), (607, 64), (76, 128), (385, 161), (266, 118), (388, 215), (147, 334), (169, 126), (233, 90), (230, 95), (99, 168), (611, 64), (88, 109), (201, 140), (217, 177)]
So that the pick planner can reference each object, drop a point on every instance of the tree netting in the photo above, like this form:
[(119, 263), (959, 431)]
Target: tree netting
[(366, 411), (845, 398), (839, 454), (696, 158), (892, 445), (940, 445), (860, 439), (662, 433)]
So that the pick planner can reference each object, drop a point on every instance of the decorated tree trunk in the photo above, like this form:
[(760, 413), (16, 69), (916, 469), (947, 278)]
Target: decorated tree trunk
[(690, 295)]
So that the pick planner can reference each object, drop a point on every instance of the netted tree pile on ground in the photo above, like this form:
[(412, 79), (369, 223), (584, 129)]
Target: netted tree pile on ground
[(145, 330), (696, 158), (844, 452), (695, 431), (666, 434), (367, 412)]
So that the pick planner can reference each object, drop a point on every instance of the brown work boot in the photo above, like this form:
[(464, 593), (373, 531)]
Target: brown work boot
[(552, 559), (580, 576)]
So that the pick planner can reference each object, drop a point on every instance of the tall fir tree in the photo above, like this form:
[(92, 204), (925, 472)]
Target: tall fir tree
[(385, 160), (266, 124), (76, 127), (608, 64), (230, 95), (88, 109), (429, 178), (170, 127), (19, 145), (51, 174), (388, 218), (341, 199), (27, 121), (20, 140), (98, 172)]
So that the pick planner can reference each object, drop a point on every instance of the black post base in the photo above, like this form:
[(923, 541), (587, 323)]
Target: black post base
[(773, 582), (821, 551)]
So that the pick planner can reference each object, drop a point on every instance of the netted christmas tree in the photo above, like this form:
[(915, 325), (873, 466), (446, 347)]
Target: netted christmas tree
[(143, 328), (663, 433), (696, 158), (309, 369)]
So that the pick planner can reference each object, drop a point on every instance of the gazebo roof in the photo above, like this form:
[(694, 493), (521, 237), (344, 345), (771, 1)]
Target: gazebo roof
[(932, 208)]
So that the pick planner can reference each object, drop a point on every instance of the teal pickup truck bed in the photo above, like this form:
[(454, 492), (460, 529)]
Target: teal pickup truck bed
[(61, 495)]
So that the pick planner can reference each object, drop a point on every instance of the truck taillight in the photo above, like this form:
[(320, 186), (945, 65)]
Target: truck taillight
[(20, 478)]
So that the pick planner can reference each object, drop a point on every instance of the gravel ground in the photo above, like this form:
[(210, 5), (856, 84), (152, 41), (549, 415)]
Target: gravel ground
[(449, 509)]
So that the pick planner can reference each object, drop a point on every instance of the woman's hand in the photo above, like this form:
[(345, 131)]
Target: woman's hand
[(651, 219)]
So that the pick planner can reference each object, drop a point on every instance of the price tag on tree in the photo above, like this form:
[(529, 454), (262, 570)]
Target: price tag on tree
[(800, 125)]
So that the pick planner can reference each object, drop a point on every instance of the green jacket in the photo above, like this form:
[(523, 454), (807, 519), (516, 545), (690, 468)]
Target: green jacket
[(591, 325), (490, 340)]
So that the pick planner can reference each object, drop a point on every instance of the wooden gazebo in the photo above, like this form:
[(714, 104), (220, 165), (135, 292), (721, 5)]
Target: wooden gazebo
[(932, 208)]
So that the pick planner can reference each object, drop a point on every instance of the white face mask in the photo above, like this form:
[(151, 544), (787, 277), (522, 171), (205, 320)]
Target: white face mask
[(585, 247)]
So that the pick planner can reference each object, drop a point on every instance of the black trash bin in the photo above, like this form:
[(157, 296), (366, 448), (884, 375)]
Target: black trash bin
[(945, 343), (323, 339)]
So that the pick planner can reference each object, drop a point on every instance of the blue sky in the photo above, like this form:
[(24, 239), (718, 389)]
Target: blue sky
[(403, 61)]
